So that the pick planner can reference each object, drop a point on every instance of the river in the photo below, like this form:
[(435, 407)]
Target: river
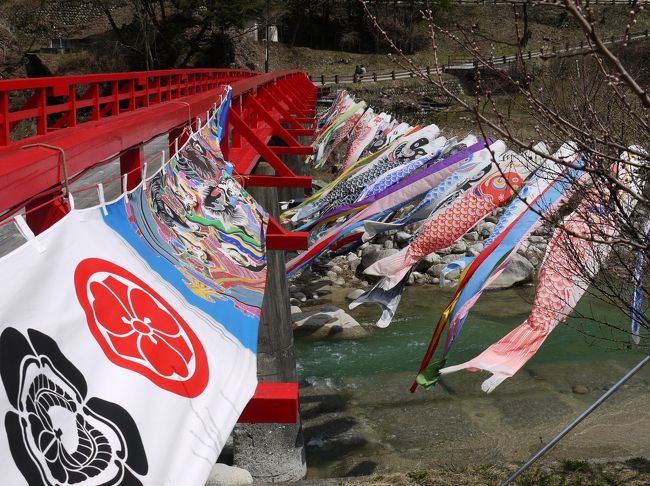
[(360, 417)]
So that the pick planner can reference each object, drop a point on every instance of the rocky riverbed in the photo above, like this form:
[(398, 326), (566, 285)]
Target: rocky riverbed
[(312, 290)]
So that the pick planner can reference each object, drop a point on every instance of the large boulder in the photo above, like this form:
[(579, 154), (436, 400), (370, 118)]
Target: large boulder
[(329, 322), (518, 271), (375, 255), (224, 475)]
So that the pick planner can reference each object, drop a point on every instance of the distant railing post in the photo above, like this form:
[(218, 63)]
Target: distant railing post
[(131, 163), (336, 79), (392, 74), (41, 122), (322, 79), (374, 76), (428, 71), (5, 132)]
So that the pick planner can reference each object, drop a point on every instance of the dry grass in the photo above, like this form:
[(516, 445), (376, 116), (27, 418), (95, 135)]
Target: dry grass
[(633, 472)]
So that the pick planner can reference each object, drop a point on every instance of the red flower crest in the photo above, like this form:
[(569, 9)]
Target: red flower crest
[(138, 330)]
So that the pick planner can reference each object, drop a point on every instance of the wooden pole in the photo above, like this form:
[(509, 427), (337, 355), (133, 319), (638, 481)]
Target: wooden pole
[(272, 452)]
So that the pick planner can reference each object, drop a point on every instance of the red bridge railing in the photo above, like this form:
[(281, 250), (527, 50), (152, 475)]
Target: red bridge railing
[(30, 107)]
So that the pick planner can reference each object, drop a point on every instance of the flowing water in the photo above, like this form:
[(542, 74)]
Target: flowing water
[(360, 417)]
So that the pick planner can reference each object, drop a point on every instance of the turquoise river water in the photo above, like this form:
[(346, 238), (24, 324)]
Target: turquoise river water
[(359, 417)]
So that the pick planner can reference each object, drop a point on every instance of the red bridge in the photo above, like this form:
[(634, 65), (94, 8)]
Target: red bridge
[(54, 130)]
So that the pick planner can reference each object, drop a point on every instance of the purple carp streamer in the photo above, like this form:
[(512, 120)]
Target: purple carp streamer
[(490, 188)]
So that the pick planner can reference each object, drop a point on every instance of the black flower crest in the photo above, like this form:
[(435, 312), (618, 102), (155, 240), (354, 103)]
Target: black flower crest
[(56, 435)]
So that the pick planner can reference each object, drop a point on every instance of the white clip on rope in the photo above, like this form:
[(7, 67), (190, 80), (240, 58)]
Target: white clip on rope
[(27, 233), (162, 162), (125, 185), (102, 198), (144, 176)]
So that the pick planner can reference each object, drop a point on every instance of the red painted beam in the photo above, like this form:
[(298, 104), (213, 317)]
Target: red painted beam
[(292, 149), (273, 181), (272, 403), (277, 238)]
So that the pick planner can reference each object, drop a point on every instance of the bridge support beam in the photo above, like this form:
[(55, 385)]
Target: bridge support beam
[(131, 163), (273, 452)]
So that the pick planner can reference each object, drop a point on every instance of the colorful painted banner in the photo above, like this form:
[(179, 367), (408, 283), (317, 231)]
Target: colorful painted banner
[(418, 144), (128, 331)]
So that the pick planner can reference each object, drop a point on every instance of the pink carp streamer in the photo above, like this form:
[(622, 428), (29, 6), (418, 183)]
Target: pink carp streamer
[(362, 135), (452, 222), (573, 258)]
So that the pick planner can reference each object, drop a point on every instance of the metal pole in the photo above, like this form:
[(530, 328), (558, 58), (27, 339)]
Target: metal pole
[(266, 39), (576, 421)]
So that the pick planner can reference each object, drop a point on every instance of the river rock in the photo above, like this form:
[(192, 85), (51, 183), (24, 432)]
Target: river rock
[(485, 228), (331, 274), (434, 270), (354, 294), (224, 475), (459, 247), (471, 236), (295, 309), (536, 239), (369, 248), (518, 271), (354, 265), (329, 322), (402, 237), (340, 282), (300, 296), (419, 278), (580, 389), (388, 244), (352, 257), (295, 302), (374, 256), (451, 276), (336, 269), (424, 264), (450, 258)]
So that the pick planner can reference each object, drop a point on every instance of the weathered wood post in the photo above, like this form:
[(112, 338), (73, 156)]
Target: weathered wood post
[(272, 452), (297, 165)]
